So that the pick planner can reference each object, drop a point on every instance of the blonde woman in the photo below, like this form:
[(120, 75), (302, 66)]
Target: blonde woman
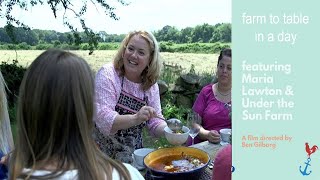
[(55, 123), (127, 96), (6, 140)]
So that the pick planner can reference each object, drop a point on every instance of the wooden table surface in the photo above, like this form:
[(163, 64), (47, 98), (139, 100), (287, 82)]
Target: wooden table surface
[(208, 147)]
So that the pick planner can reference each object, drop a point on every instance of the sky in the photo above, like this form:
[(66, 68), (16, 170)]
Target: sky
[(151, 15)]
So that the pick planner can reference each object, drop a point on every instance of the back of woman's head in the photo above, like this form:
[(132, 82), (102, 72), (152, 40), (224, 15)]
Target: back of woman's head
[(55, 114), (56, 104)]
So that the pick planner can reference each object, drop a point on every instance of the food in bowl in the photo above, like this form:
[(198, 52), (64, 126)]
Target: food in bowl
[(177, 163), (174, 162), (176, 138), (178, 132)]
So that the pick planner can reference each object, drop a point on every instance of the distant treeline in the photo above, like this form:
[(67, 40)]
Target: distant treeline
[(200, 34), (205, 48)]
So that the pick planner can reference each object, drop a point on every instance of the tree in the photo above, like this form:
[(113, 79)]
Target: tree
[(62, 37), (186, 35), (202, 33), (66, 6), (167, 33), (3, 36), (222, 33)]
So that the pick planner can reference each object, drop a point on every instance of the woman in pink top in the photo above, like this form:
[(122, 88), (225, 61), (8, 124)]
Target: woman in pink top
[(213, 100), (127, 96)]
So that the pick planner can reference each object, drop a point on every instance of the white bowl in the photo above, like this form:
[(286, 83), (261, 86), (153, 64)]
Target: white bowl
[(139, 154), (176, 138)]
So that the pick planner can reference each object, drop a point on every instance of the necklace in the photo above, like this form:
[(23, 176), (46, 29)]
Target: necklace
[(222, 94)]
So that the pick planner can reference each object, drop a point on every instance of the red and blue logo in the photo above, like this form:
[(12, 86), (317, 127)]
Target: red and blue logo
[(305, 171)]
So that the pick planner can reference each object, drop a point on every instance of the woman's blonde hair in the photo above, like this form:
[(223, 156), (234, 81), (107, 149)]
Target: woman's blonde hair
[(6, 140), (55, 120), (149, 75)]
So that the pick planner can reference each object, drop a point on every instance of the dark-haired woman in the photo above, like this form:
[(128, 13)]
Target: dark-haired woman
[(212, 103)]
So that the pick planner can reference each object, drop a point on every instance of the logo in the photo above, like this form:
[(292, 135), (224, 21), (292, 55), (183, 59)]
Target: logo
[(304, 171)]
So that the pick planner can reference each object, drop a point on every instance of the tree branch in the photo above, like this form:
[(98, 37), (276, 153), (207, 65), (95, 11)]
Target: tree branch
[(66, 5)]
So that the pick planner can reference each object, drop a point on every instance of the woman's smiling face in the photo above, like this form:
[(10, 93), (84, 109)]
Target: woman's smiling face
[(136, 58)]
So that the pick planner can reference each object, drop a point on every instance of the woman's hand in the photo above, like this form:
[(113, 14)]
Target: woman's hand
[(130, 120), (213, 136), (145, 113)]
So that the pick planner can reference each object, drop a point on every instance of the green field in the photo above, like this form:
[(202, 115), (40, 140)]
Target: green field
[(202, 62)]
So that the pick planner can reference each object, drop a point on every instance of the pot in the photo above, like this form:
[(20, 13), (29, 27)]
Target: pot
[(165, 154)]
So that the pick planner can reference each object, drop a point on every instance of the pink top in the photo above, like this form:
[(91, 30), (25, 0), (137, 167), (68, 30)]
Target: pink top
[(222, 164), (107, 92), (213, 112)]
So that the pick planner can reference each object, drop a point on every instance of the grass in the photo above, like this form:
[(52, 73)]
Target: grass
[(202, 62)]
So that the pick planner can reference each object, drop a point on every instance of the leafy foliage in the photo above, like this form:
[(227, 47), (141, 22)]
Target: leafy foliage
[(222, 33), (153, 142), (13, 74), (170, 73), (204, 33), (203, 48), (172, 111), (193, 47), (169, 36), (67, 7)]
